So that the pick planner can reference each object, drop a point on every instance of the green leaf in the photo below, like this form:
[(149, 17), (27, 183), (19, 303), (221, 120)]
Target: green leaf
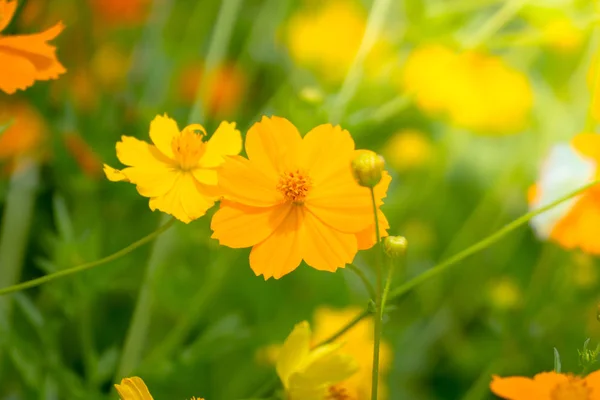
[(557, 364)]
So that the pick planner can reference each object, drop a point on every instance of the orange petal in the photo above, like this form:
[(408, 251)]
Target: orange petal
[(326, 249), (36, 51), (241, 181), (366, 238), (580, 227), (7, 11), (185, 201), (280, 253), (592, 381), (272, 144), (341, 203), (546, 382), (16, 72), (325, 150), (238, 226), (515, 388)]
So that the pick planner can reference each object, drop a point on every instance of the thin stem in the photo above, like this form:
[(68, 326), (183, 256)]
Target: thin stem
[(493, 25), (345, 328), (86, 266), (388, 283), (361, 275), (375, 23), (378, 304), (481, 245)]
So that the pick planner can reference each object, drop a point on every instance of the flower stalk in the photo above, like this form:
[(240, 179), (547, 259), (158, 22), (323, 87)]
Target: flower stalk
[(378, 328)]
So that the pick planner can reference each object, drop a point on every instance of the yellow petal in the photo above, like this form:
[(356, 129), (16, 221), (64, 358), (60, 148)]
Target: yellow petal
[(152, 182), (206, 176), (325, 366), (226, 141), (326, 249), (137, 153), (294, 352), (162, 131), (237, 226), (243, 182), (186, 200), (133, 389), (280, 253), (114, 175), (272, 145)]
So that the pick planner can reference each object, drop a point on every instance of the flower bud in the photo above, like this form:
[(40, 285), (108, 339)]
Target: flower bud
[(395, 246), (367, 167)]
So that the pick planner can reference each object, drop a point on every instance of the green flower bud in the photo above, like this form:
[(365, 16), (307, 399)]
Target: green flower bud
[(367, 167), (395, 246)]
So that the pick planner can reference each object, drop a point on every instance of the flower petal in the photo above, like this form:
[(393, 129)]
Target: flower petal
[(366, 239), (16, 72), (326, 249), (325, 366), (515, 388), (593, 382), (293, 352), (316, 155), (206, 176), (272, 145), (7, 11), (133, 389), (137, 153), (114, 175), (226, 141), (185, 201), (241, 181), (162, 131), (237, 226), (280, 253), (580, 226)]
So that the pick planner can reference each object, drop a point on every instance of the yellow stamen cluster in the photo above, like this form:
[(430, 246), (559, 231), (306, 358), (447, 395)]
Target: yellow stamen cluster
[(338, 393), (188, 147), (294, 186)]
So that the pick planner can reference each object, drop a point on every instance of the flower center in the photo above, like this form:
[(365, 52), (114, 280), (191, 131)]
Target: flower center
[(188, 147), (337, 392), (573, 389), (294, 186)]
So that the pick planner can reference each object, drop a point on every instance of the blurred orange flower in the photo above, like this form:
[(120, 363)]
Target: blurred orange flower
[(83, 154), (25, 134), (179, 171), (476, 91), (294, 199), (26, 58), (548, 386), (120, 11), (226, 87), (573, 223)]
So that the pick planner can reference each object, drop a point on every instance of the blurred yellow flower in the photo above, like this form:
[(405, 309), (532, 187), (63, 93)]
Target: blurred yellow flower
[(25, 136), (312, 374), (357, 344), (548, 386), (25, 59), (562, 35), (576, 222), (294, 199), (179, 172), (225, 88), (504, 294), (325, 37), (476, 91), (134, 388), (407, 149), (110, 66)]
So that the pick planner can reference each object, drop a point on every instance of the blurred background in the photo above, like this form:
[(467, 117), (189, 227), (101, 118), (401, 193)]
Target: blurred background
[(463, 98)]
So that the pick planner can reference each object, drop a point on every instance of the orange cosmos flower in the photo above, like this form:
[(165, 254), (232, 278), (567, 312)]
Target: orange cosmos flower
[(26, 58), (178, 173), (573, 223), (548, 386), (295, 199), (134, 388)]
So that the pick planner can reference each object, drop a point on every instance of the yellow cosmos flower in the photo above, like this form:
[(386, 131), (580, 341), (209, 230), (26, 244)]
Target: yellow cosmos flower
[(476, 91), (135, 389), (311, 374), (179, 171), (548, 386), (326, 39), (576, 222), (408, 149), (295, 199)]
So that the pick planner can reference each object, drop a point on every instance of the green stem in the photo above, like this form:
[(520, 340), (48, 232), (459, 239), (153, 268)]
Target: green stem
[(388, 283), (379, 12), (361, 275), (86, 266), (493, 25), (378, 304), (345, 328)]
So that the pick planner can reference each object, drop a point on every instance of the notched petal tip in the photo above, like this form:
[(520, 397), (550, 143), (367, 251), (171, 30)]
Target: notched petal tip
[(114, 175)]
